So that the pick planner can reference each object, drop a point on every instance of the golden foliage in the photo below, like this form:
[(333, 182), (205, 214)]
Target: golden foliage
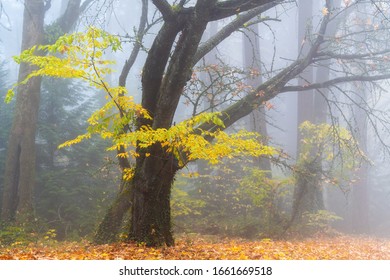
[(81, 56), (321, 248)]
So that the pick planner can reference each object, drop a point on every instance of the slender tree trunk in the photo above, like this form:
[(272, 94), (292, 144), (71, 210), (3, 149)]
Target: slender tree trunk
[(308, 194), (307, 187), (252, 60), (312, 106), (360, 189)]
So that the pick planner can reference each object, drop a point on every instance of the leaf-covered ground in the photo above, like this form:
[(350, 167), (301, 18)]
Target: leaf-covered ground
[(337, 248)]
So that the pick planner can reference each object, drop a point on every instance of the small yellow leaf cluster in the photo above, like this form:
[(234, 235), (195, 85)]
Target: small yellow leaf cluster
[(128, 174)]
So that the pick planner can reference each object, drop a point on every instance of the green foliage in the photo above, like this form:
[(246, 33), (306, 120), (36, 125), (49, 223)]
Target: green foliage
[(319, 221), (52, 33), (328, 155), (15, 235), (333, 149), (271, 195), (232, 201), (183, 205)]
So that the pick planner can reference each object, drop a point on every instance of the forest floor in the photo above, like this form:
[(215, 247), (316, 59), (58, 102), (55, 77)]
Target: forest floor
[(319, 248)]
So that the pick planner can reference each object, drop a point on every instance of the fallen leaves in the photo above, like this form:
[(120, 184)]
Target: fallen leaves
[(326, 248)]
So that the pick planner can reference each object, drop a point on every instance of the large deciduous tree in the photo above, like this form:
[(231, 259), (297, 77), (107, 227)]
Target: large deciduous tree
[(175, 51)]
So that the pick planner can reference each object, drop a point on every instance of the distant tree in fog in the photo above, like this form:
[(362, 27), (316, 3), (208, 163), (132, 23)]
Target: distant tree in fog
[(20, 163)]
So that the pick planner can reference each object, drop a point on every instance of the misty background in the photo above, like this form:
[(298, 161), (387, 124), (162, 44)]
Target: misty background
[(241, 197)]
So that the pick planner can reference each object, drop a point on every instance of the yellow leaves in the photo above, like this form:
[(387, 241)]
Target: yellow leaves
[(10, 94), (81, 56), (128, 174), (76, 140), (186, 139), (319, 248), (78, 55), (187, 142)]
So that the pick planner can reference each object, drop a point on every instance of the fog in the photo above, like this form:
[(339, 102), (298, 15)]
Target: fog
[(239, 196)]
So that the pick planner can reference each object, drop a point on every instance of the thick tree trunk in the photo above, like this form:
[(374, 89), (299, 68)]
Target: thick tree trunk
[(109, 227), (20, 165), (19, 175), (151, 209), (147, 197), (312, 106), (307, 185), (151, 212)]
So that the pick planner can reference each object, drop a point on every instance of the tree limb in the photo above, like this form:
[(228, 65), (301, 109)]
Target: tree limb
[(226, 31), (137, 45), (272, 87), (123, 161), (355, 78), (85, 5), (224, 9), (328, 55), (165, 9)]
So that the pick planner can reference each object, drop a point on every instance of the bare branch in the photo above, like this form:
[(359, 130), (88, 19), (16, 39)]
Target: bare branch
[(85, 5), (328, 54), (229, 29), (137, 45), (329, 83), (272, 87)]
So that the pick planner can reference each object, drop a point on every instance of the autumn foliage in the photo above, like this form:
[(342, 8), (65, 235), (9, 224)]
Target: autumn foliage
[(320, 248)]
